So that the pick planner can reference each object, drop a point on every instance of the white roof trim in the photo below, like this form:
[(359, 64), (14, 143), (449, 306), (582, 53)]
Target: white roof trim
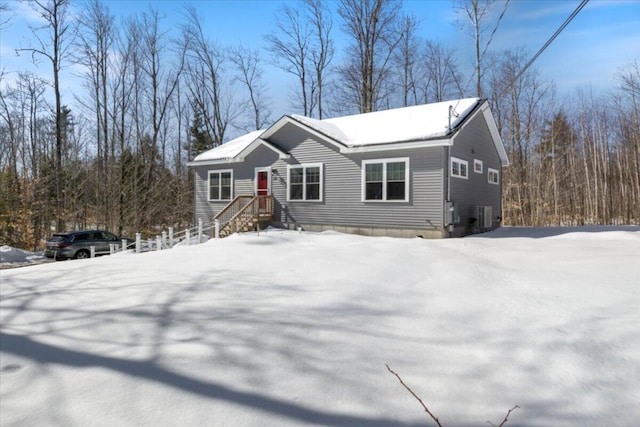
[(235, 150), (495, 135), (255, 144), (214, 162), (273, 129), (399, 145)]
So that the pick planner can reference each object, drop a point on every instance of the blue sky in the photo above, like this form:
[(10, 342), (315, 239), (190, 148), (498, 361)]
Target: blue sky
[(603, 37)]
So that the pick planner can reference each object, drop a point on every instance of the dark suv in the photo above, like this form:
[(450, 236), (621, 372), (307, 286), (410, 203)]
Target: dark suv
[(77, 244)]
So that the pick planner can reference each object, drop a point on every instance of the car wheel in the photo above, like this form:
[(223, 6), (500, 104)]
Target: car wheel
[(82, 254)]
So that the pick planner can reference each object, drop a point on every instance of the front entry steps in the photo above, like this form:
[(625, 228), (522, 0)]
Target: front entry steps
[(243, 214)]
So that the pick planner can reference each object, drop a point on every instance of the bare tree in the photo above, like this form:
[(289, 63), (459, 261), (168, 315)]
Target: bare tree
[(628, 108), (249, 73), (26, 173), (477, 14), (521, 110), (5, 18), (291, 52), (157, 68), (372, 26), (57, 50), (321, 46), (407, 61), (162, 78), (205, 77), (442, 78), (95, 42)]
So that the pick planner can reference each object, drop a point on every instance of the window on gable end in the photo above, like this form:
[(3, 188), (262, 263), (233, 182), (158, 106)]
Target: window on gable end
[(493, 176), (459, 168), (477, 166)]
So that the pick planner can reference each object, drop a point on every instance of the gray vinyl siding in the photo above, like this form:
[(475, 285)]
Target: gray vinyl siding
[(342, 203), (474, 142), (243, 181)]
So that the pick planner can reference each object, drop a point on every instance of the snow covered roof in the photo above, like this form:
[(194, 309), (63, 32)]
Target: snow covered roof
[(416, 123), (230, 149), (429, 124)]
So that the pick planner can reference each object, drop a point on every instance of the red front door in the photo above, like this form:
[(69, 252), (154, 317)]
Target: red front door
[(262, 189), (262, 183)]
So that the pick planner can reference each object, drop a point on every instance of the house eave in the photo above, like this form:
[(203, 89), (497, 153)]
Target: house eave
[(215, 162), (240, 157), (495, 135), (407, 145), (260, 141), (284, 120)]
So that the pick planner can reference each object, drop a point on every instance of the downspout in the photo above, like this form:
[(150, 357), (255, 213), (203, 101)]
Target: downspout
[(448, 205), (449, 208)]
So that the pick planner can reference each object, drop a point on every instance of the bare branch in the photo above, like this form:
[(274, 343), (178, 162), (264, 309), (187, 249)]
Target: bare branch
[(433, 417), (506, 418)]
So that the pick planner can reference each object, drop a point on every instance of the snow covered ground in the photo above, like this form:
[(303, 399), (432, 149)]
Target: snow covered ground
[(14, 257), (289, 329)]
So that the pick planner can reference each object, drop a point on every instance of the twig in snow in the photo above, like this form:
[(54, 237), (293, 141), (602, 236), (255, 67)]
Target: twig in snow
[(416, 396)]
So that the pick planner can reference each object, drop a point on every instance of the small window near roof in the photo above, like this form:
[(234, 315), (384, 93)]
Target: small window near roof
[(493, 176), (459, 168), (477, 166)]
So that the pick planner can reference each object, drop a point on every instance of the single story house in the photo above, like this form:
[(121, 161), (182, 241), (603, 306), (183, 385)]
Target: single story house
[(430, 170)]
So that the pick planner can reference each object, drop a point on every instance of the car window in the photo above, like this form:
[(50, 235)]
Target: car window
[(58, 238), (109, 236), (81, 237)]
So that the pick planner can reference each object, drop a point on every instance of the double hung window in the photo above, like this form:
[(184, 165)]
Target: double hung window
[(385, 180), (494, 177), (220, 185), (459, 168), (305, 182)]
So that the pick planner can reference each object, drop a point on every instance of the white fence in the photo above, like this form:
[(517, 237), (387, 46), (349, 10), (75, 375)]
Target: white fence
[(166, 240)]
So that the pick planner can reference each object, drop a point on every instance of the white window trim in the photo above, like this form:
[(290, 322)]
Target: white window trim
[(497, 181), (459, 161), (477, 166), (218, 171), (304, 182), (363, 190)]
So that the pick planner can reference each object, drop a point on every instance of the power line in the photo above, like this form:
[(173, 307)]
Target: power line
[(506, 4), (551, 39)]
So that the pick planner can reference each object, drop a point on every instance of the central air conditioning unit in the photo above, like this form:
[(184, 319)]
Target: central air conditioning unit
[(485, 216)]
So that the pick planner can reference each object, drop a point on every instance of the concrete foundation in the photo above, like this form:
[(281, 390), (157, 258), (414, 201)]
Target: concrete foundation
[(373, 231)]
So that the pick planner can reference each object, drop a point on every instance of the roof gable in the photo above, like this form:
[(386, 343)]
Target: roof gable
[(235, 150)]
